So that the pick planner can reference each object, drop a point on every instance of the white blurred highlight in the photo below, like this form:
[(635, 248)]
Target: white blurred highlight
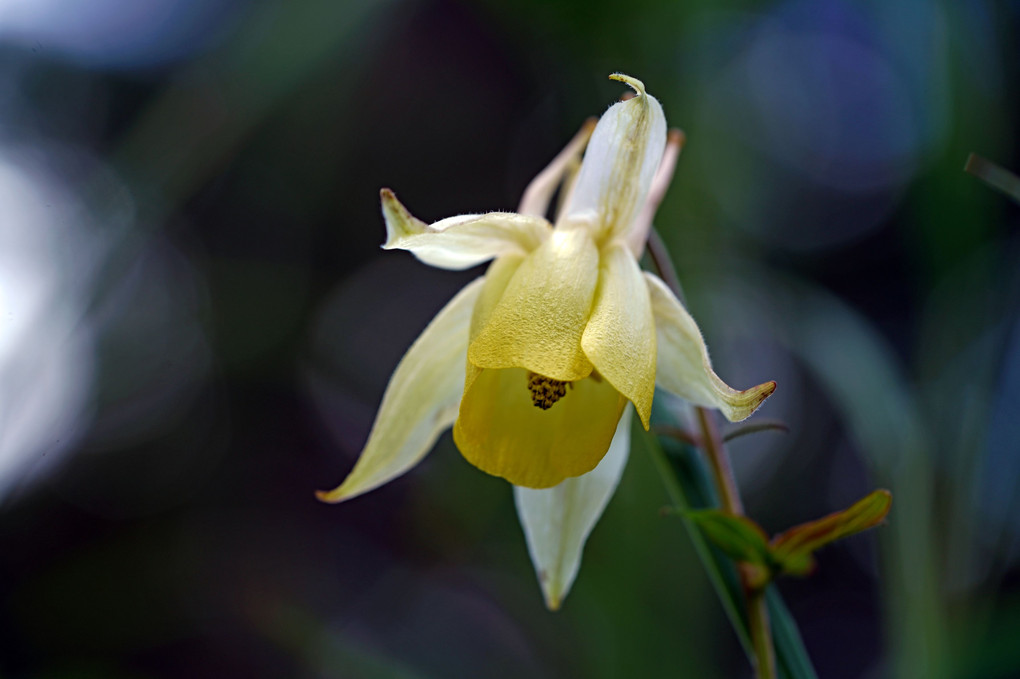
[(46, 354), (101, 348), (114, 33)]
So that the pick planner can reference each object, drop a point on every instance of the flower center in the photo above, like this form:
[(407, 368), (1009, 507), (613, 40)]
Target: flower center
[(545, 391)]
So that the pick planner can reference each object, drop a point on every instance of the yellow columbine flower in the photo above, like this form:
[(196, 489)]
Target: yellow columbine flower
[(534, 363)]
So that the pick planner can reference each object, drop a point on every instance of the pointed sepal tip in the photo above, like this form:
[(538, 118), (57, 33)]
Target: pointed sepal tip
[(634, 83)]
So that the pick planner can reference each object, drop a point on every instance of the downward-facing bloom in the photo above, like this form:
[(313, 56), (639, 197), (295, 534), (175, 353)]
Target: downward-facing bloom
[(534, 363)]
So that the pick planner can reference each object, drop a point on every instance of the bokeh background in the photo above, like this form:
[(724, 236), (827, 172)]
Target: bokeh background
[(196, 326)]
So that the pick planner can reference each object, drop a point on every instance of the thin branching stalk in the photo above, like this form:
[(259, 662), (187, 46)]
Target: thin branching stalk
[(722, 473), (719, 460), (758, 425)]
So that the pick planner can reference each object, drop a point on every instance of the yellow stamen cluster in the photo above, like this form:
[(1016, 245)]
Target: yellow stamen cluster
[(545, 391)]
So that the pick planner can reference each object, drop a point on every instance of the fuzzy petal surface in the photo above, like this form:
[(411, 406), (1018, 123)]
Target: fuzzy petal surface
[(542, 313), (621, 159), (464, 241), (620, 337), (497, 277), (421, 400), (500, 431), (637, 236), (683, 366), (557, 521)]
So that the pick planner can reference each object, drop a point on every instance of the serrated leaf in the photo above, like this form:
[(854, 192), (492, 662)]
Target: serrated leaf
[(793, 549)]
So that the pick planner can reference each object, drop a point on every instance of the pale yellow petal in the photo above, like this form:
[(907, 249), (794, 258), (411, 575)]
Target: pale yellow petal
[(463, 241), (500, 431), (497, 277), (683, 364), (541, 315), (619, 163), (421, 400), (620, 337), (557, 521), (638, 234)]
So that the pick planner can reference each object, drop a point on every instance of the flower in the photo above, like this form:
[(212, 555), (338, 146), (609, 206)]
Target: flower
[(534, 363)]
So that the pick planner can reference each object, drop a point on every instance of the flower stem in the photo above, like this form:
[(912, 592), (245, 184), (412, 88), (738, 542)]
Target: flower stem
[(664, 265), (761, 634), (712, 444), (726, 485)]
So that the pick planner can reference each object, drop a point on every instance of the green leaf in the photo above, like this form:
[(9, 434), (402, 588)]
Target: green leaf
[(792, 660), (793, 549), (689, 485), (738, 537)]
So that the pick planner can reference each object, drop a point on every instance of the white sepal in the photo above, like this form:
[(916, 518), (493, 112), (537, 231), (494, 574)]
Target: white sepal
[(420, 402), (682, 364), (558, 520), (463, 241), (622, 157)]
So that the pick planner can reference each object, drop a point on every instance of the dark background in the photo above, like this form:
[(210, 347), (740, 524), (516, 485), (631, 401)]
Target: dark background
[(196, 326)]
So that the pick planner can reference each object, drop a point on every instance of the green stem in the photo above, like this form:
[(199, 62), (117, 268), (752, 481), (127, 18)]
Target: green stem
[(726, 484), (664, 265), (701, 547), (761, 634), (718, 459), (722, 472)]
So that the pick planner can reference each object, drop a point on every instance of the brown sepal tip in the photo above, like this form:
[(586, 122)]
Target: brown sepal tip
[(676, 137), (768, 388), (324, 496)]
